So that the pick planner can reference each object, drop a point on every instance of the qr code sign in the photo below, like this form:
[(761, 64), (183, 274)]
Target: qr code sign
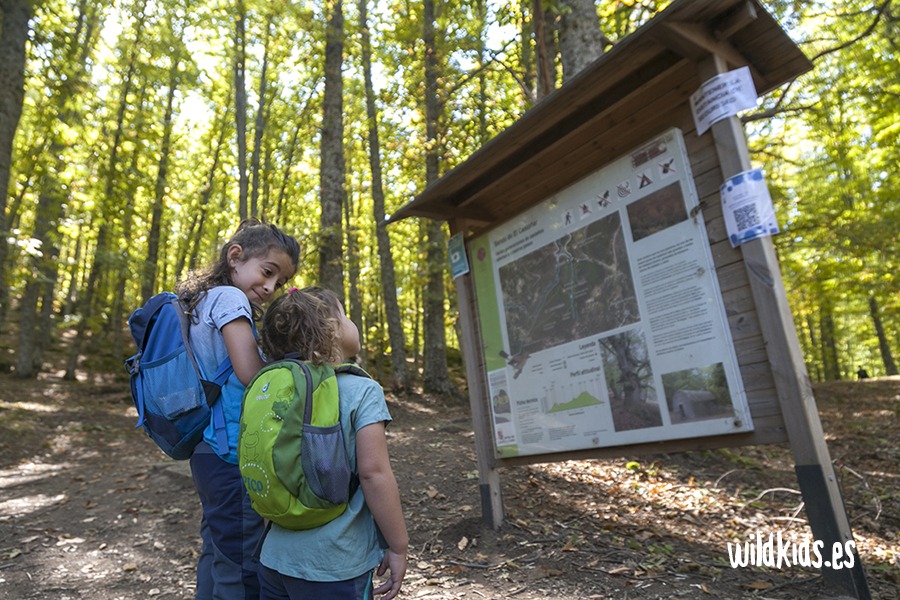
[(746, 217)]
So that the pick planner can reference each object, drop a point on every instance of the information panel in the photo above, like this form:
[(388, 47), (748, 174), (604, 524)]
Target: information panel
[(601, 316)]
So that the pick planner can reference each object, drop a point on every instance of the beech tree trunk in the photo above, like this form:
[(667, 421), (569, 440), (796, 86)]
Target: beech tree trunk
[(814, 365), (526, 54), (289, 161), (580, 38), (400, 377), (482, 120), (830, 366), (351, 256), (332, 171), (260, 126), (544, 25), (435, 373), (97, 270), (240, 104), (199, 217), (14, 17), (36, 305), (149, 282), (118, 319), (44, 271), (890, 367)]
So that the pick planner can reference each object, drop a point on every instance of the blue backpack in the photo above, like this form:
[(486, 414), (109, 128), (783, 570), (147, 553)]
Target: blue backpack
[(174, 399)]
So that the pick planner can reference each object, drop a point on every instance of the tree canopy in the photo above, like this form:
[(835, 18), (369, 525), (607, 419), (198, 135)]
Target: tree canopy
[(149, 128)]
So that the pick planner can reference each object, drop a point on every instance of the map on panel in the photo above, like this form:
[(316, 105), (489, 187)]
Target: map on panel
[(577, 285)]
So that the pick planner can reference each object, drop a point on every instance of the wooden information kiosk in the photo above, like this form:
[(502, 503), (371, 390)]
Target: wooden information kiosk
[(596, 238)]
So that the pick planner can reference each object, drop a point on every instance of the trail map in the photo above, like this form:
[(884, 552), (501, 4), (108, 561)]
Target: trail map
[(575, 286)]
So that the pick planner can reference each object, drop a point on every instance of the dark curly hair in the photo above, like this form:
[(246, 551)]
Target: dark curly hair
[(256, 239), (305, 322)]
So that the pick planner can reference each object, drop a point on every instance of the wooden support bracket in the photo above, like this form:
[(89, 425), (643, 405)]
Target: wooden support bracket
[(696, 42), (734, 21)]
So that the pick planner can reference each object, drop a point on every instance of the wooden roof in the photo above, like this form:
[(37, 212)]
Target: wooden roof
[(567, 136)]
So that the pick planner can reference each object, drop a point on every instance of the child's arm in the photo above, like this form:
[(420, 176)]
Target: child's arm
[(383, 498), (242, 349)]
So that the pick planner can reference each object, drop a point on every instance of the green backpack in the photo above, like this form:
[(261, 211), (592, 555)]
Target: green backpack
[(291, 447)]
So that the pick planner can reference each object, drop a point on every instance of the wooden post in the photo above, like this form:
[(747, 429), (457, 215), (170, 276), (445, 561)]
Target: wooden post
[(471, 348), (821, 494)]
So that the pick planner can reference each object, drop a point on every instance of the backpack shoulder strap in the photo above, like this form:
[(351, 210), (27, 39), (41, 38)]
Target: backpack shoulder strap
[(353, 369), (313, 375), (185, 319), (212, 388)]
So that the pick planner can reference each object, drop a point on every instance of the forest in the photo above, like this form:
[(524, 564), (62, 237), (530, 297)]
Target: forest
[(136, 134)]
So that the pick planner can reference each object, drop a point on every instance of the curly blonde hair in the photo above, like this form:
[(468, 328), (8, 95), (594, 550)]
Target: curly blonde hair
[(304, 322)]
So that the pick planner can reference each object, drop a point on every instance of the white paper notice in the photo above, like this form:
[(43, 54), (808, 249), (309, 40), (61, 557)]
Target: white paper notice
[(723, 96), (747, 206)]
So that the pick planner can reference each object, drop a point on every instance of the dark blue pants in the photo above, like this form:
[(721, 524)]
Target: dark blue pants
[(276, 586), (230, 529)]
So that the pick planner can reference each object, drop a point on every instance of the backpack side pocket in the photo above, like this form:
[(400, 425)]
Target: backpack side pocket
[(325, 462), (164, 398)]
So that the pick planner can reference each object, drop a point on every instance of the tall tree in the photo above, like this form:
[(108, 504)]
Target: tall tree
[(435, 372), (332, 170), (198, 216), (286, 174), (352, 258), (109, 197), (14, 17), (887, 357), (543, 22), (828, 339), (838, 215), (526, 51), (37, 297), (260, 125), (240, 103), (580, 38), (153, 239), (483, 63), (289, 153), (400, 376), (134, 183), (36, 306)]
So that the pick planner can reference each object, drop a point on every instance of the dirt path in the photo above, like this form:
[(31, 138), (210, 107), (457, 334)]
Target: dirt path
[(90, 509)]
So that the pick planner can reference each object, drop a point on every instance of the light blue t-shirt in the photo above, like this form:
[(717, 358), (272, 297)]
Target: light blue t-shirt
[(220, 306), (348, 546)]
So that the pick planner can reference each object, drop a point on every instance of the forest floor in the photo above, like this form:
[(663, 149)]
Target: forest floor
[(90, 509)]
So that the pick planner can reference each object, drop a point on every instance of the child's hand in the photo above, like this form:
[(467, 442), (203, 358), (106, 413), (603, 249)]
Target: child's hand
[(396, 564)]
